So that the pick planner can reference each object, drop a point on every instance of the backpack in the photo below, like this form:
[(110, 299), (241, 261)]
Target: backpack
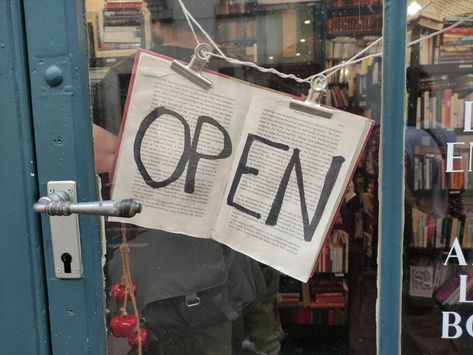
[(184, 281)]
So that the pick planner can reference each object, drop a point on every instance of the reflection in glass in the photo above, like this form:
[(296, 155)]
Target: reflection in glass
[(335, 311), (438, 187)]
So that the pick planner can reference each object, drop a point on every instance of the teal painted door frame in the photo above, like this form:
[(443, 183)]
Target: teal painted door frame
[(24, 327), (391, 183), (46, 134), (56, 36)]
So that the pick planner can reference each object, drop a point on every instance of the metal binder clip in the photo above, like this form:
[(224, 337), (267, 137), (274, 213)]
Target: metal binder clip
[(312, 103), (193, 71)]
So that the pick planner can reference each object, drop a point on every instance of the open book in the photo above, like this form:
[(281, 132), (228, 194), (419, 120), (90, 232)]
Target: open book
[(234, 163)]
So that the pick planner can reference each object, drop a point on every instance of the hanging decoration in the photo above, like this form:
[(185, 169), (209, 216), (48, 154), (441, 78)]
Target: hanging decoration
[(126, 325)]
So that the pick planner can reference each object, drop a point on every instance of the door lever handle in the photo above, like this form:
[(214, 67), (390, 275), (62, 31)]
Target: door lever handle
[(60, 204), (65, 231)]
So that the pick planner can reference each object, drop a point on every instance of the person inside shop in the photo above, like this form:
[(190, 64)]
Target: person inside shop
[(173, 270)]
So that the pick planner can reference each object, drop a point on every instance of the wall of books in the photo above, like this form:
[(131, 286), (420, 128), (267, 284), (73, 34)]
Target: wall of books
[(438, 190)]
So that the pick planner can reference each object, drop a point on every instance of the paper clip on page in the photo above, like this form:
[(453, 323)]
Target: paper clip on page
[(312, 103), (193, 71)]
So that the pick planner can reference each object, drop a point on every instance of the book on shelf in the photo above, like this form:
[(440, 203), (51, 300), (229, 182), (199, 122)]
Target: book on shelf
[(449, 292), (347, 3), (337, 95), (430, 20), (455, 45), (355, 24), (290, 299), (317, 317), (443, 107), (328, 292), (431, 278), (120, 28), (421, 281), (334, 256), (289, 290), (431, 231)]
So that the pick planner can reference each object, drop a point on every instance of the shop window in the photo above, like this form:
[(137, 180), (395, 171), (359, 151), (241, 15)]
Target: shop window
[(335, 311), (437, 279)]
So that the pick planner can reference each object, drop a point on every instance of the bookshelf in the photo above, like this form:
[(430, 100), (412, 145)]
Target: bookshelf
[(438, 204), (332, 299)]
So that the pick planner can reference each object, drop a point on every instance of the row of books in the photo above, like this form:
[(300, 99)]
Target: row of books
[(319, 317), (449, 292), (431, 231), (453, 46), (121, 26), (342, 3), (327, 292), (429, 173), (355, 24), (334, 256), (457, 45), (289, 291), (442, 107), (337, 95)]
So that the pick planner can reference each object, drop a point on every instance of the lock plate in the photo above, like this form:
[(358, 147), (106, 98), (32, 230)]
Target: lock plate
[(65, 236)]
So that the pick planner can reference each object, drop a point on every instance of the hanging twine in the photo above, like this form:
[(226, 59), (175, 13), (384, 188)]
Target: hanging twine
[(327, 72), (129, 290)]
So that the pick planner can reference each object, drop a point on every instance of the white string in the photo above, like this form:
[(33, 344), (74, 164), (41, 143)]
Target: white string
[(262, 69), (329, 72), (186, 14), (189, 15), (456, 24)]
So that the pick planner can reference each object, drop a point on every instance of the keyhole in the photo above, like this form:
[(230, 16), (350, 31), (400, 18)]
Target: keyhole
[(66, 259)]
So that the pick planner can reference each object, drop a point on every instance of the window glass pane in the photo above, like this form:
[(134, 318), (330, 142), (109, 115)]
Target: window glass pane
[(335, 311), (437, 287)]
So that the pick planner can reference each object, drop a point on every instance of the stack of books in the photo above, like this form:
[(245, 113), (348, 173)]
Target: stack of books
[(342, 3), (121, 26), (289, 291), (449, 292), (457, 45), (431, 231), (328, 293), (355, 24)]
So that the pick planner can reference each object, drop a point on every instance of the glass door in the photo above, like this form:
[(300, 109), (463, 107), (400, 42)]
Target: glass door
[(335, 310), (437, 238), (175, 294)]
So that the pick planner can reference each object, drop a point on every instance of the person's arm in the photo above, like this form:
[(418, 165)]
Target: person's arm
[(104, 149)]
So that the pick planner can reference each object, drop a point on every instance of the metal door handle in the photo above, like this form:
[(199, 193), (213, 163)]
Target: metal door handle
[(60, 204)]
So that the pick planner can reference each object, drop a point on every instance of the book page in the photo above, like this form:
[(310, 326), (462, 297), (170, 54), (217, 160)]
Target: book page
[(293, 170), (176, 147)]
